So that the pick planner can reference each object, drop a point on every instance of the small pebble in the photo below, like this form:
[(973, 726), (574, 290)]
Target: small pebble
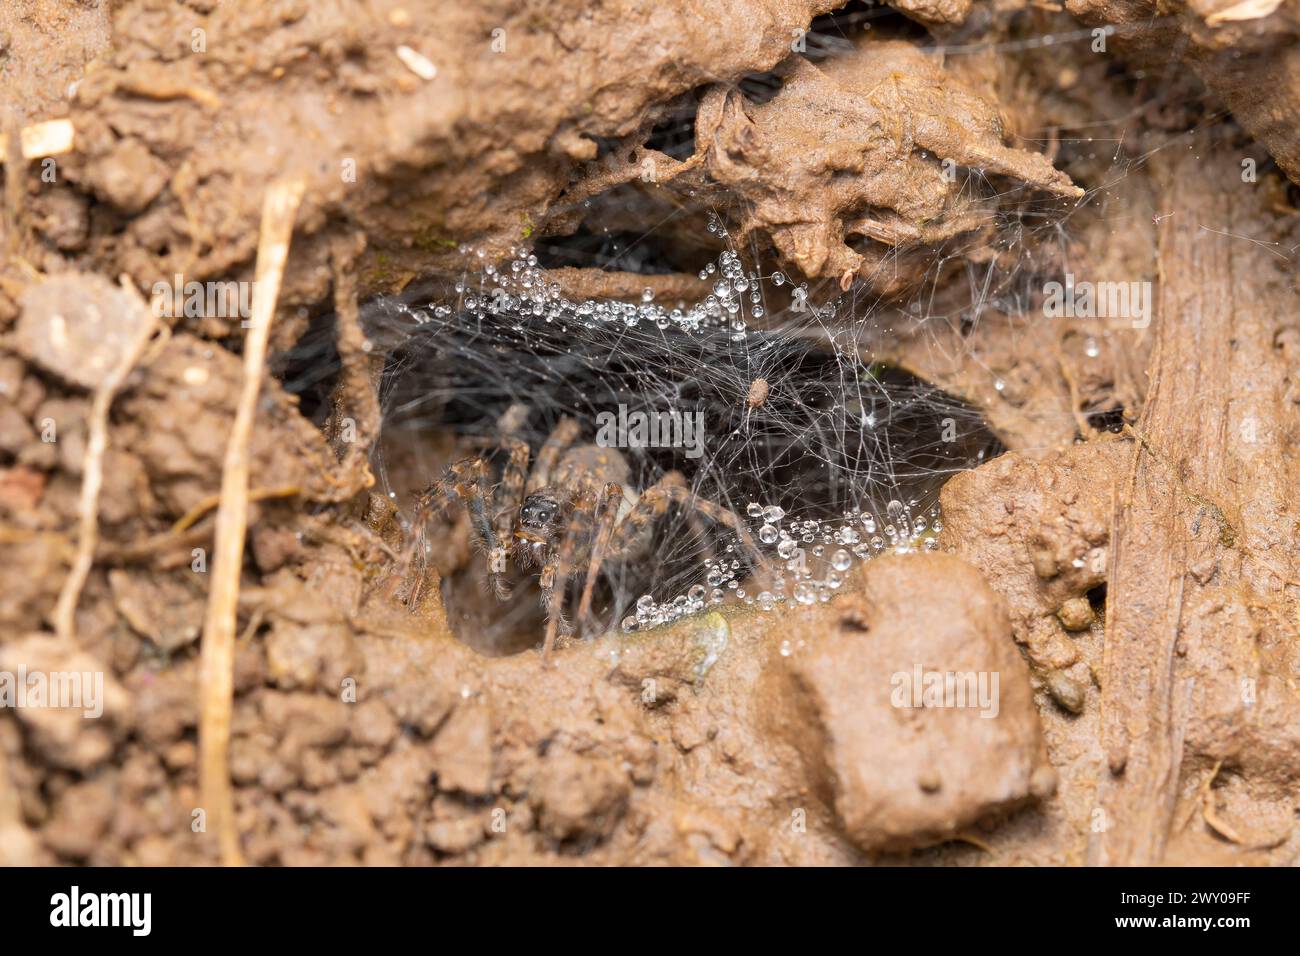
[(1076, 614), (1066, 691)]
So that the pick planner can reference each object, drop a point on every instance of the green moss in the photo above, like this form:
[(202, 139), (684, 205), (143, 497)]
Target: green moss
[(431, 239)]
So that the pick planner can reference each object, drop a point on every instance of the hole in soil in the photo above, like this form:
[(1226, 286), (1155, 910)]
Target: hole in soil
[(832, 438), (311, 368), (612, 251), (1107, 420), (1097, 599), (833, 33), (605, 145), (675, 133), (760, 88)]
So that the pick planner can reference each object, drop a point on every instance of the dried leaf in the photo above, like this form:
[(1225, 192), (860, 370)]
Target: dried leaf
[(1246, 10)]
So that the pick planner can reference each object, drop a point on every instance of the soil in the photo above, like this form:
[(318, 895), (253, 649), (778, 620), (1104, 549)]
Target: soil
[(1129, 568)]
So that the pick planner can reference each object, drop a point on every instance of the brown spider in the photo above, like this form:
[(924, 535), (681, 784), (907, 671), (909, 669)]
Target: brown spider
[(573, 509)]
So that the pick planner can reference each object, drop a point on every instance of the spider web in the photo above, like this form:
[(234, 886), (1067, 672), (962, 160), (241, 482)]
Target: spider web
[(843, 457)]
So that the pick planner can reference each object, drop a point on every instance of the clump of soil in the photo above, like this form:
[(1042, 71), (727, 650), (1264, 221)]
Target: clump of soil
[(1130, 571)]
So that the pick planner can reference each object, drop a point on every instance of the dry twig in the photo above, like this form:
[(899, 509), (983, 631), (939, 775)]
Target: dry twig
[(216, 680), (93, 470)]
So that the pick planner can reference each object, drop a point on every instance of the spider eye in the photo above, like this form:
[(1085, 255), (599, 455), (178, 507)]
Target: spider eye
[(537, 512)]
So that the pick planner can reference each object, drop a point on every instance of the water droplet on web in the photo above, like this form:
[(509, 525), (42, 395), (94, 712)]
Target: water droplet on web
[(767, 534), (841, 560)]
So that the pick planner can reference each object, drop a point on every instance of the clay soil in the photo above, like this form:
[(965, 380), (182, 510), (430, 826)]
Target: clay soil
[(1129, 567)]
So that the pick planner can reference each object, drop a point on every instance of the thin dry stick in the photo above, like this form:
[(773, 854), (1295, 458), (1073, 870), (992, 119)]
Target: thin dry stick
[(216, 680), (93, 471), (201, 508)]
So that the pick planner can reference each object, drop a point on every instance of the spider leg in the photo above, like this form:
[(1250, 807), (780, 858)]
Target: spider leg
[(428, 505), (555, 573), (606, 517), (512, 419), (654, 502), (562, 436), (725, 516), (513, 478), (462, 482), (674, 477), (509, 497), (466, 481)]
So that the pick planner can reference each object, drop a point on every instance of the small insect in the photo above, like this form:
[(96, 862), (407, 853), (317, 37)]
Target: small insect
[(758, 390), (568, 511)]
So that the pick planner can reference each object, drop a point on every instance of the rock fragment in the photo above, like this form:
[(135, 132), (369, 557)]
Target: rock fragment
[(918, 714), (579, 797), (71, 707), (78, 327)]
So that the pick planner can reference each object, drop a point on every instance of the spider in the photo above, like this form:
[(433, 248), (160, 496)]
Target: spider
[(571, 509)]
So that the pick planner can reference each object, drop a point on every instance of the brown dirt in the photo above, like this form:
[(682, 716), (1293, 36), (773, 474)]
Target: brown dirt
[(1157, 722)]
